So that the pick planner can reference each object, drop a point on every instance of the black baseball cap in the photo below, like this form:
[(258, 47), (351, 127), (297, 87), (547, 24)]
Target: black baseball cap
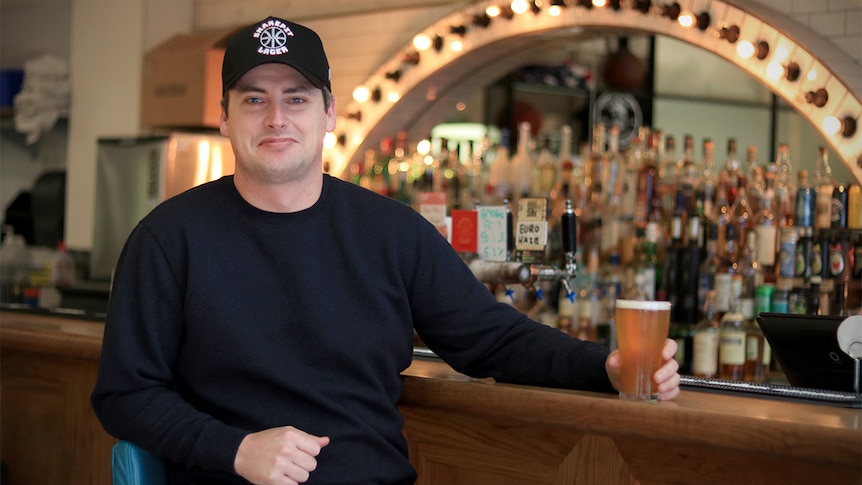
[(274, 40)]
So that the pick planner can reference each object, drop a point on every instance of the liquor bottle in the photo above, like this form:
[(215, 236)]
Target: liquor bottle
[(564, 153), (706, 340), (813, 304), (838, 209), (707, 180), (806, 201), (544, 171), (766, 232), (501, 170), (647, 180), (802, 268), (367, 169), (689, 279), (613, 284), (588, 302), (440, 160), (820, 254), (839, 260), (680, 279), (562, 189), (402, 184), (649, 269), (785, 189), (854, 206), (823, 185), (743, 218), (724, 221), (633, 163), (668, 285), (857, 258), (732, 334), (753, 369), (522, 163), (708, 265), (455, 176), (615, 221), (686, 171), (733, 168), (665, 186), (616, 165), (561, 192), (755, 181), (752, 273), (757, 351)]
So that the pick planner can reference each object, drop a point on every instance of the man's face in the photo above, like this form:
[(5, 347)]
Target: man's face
[(276, 124)]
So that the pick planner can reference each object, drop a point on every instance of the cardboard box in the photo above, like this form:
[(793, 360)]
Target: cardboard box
[(182, 81)]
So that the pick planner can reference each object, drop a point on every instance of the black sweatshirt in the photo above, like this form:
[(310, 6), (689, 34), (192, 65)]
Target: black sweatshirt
[(225, 320)]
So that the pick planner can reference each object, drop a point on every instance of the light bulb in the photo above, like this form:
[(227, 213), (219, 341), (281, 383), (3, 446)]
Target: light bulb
[(745, 49), (520, 6), (775, 70), (422, 42), (329, 140), (423, 147), (361, 94), (686, 19), (831, 125)]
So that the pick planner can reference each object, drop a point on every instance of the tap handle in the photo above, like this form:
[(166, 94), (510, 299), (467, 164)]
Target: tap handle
[(569, 229), (510, 229)]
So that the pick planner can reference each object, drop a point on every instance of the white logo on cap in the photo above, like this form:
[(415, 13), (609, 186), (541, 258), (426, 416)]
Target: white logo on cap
[(273, 38)]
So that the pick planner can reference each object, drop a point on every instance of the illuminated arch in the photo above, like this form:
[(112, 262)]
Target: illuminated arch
[(415, 84)]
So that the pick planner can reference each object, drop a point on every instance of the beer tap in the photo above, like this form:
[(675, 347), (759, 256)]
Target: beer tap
[(568, 225), (526, 274)]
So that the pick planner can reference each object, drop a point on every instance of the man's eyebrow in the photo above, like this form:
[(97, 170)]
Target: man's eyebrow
[(300, 89), (250, 88)]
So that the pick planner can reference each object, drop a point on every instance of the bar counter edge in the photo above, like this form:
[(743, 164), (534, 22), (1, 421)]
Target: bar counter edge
[(459, 430)]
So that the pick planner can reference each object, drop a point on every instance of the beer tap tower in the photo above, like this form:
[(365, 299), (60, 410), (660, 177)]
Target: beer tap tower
[(528, 274)]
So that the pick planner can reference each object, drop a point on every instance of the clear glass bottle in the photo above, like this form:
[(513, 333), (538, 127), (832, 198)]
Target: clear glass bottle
[(733, 168), (755, 183), (757, 351), (785, 188), (646, 188), (724, 220), (649, 268), (731, 351), (823, 185), (686, 171), (766, 231), (522, 163), (806, 201), (544, 171), (743, 218), (706, 340), (501, 170)]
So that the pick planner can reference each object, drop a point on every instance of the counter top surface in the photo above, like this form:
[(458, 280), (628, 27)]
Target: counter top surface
[(762, 425)]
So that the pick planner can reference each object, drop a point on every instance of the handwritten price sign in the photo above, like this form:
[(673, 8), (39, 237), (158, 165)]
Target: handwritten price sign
[(492, 233)]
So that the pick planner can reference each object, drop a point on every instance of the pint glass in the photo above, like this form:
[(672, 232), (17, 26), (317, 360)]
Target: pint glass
[(642, 328)]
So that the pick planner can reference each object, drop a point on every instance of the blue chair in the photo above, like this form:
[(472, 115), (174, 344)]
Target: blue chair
[(132, 465)]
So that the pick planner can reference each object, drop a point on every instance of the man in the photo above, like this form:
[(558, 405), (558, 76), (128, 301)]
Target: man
[(258, 324)]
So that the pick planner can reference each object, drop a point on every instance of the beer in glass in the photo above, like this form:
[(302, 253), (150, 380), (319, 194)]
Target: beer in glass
[(642, 328)]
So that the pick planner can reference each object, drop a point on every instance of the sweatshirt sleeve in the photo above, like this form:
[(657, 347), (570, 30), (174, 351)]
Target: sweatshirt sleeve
[(136, 396), (461, 321)]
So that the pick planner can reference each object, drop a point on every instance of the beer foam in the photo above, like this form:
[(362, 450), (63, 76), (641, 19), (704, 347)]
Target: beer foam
[(643, 305)]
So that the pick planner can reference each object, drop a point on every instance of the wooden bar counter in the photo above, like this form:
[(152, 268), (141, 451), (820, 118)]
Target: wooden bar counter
[(460, 430)]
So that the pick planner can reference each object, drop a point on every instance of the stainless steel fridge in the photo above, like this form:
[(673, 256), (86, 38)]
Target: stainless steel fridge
[(135, 174)]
